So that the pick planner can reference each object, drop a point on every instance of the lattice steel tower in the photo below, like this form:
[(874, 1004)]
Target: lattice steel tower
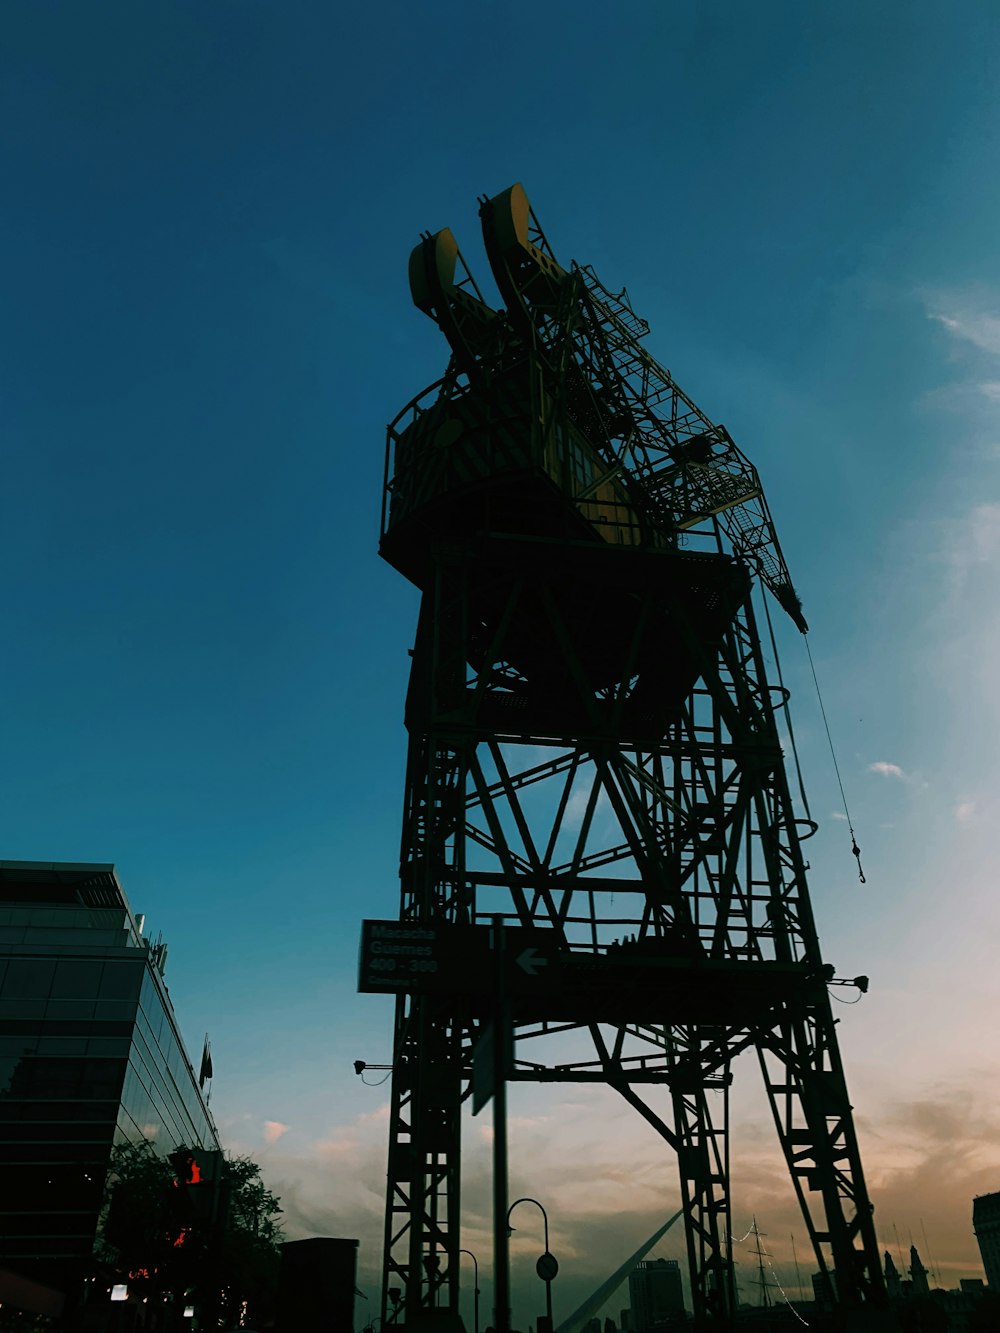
[(593, 755)]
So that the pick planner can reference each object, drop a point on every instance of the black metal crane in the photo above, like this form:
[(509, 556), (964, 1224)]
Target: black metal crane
[(594, 764)]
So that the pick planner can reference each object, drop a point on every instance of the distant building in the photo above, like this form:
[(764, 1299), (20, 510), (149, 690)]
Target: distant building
[(824, 1290), (918, 1274), (90, 1055), (316, 1286), (986, 1224), (960, 1307), (893, 1282), (918, 1306), (656, 1293)]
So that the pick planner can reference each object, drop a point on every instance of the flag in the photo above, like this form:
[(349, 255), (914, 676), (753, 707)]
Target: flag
[(206, 1064)]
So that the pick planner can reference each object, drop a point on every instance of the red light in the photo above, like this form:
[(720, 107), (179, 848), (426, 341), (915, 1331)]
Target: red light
[(186, 1167)]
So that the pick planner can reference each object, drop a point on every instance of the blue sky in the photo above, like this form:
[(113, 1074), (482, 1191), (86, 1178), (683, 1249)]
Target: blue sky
[(207, 213)]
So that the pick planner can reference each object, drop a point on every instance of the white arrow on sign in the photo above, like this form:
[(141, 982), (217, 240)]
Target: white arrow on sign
[(528, 961)]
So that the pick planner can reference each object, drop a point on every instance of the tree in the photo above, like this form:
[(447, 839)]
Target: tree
[(250, 1253), (211, 1230), (142, 1232)]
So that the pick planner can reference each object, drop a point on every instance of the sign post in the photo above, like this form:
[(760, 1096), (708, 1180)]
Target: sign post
[(546, 1266), (501, 1028)]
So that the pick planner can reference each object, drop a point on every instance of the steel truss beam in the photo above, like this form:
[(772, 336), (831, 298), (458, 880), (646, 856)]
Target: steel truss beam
[(636, 813), (594, 757)]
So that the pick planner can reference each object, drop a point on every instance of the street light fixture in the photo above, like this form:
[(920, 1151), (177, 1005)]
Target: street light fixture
[(475, 1290), (546, 1266), (361, 1065)]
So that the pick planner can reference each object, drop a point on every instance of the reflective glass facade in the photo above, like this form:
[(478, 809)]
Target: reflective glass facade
[(89, 1055)]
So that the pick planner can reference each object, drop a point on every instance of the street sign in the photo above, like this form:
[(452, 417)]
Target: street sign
[(546, 978), (546, 1266), (440, 958), (484, 1065), (395, 953), (530, 962)]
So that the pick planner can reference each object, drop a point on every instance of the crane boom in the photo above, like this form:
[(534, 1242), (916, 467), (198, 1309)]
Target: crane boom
[(677, 463)]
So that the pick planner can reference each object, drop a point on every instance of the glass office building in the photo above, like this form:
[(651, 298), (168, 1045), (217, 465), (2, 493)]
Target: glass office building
[(90, 1055)]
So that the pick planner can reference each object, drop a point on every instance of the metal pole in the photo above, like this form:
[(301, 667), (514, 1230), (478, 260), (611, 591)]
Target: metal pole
[(501, 1254), (545, 1221), (475, 1292), (548, 1280)]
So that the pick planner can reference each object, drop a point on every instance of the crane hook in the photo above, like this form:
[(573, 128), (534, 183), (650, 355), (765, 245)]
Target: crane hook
[(857, 852)]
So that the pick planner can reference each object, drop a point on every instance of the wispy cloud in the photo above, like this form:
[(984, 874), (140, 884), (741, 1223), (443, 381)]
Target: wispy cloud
[(962, 635), (926, 1155), (576, 806), (965, 812), (972, 321), (334, 1149), (379, 1115), (977, 542), (886, 769), (977, 327), (274, 1130)]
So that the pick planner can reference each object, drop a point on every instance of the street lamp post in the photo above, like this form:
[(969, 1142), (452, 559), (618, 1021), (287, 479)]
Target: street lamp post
[(546, 1267), (475, 1289)]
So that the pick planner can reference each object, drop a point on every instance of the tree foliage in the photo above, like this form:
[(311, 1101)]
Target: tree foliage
[(217, 1239)]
